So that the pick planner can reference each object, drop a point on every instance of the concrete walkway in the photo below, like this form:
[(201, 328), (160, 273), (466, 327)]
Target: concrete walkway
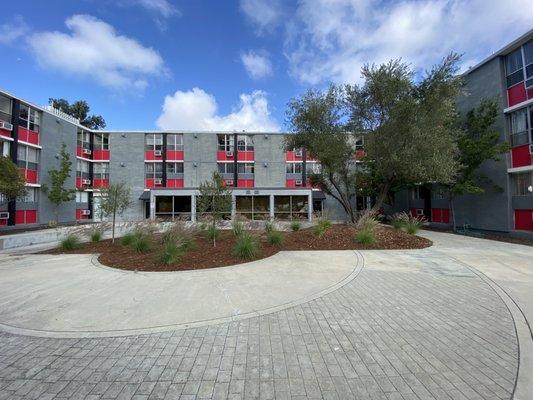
[(447, 322)]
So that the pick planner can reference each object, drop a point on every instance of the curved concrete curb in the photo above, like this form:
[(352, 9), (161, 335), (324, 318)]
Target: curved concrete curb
[(359, 264)]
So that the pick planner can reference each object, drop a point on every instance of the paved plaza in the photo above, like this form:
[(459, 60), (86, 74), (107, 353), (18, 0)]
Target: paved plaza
[(438, 323)]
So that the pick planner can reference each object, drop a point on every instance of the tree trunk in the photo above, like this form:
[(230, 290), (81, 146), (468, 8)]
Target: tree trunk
[(381, 197), (454, 226), (113, 230), (213, 232)]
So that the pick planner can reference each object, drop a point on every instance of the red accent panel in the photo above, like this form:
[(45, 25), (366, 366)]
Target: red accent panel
[(30, 175), (31, 216), (290, 183), (412, 211), (28, 136), (78, 182), (100, 183), (19, 217), (174, 155), (79, 151), (149, 155), (523, 220), (4, 132), (291, 156), (245, 156), (25, 217), (175, 183), (359, 154), (221, 156), (149, 183), (441, 215), (79, 216), (521, 156), (516, 94), (245, 183), (3, 221), (101, 155)]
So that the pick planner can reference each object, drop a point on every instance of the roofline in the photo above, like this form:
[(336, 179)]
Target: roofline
[(503, 51)]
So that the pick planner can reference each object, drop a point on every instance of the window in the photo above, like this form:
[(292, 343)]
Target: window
[(528, 62), (84, 139), (154, 170), (519, 127), (174, 141), (513, 68), (253, 207), (174, 168), (31, 195), (101, 141), (225, 142), (523, 182), (415, 193), (27, 157), (29, 118), (82, 197), (438, 193), (5, 109), (294, 168), (312, 168), (359, 144), (245, 168), (154, 141), (101, 170), (82, 169), (290, 207), (245, 143), (226, 168), (4, 148)]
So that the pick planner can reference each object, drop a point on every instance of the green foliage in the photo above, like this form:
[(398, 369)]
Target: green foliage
[(71, 242), (246, 247), (407, 223), (215, 200), (96, 235), (141, 243), (296, 226), (12, 182), (275, 238), (269, 226), (80, 110), (115, 199), (412, 226), (398, 220), (367, 221), (237, 228), (321, 227), (170, 254), (56, 191), (127, 239), (365, 236), (213, 233)]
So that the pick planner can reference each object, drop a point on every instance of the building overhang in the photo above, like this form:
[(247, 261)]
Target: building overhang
[(517, 170)]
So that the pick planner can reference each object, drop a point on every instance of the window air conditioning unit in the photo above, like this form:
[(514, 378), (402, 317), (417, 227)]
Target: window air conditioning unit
[(85, 212), (298, 153), (6, 125), (87, 151), (229, 153), (531, 149), (158, 181), (4, 215), (419, 212), (229, 182), (86, 181), (298, 182), (158, 153)]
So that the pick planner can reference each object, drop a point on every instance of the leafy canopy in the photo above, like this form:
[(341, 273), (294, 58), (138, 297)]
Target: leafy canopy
[(56, 191), (12, 182), (115, 199), (80, 110)]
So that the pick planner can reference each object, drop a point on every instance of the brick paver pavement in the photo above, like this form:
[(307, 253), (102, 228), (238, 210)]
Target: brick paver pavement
[(396, 334)]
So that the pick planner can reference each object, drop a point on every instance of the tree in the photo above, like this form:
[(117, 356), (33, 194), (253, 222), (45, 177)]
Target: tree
[(214, 198), (115, 199), (12, 182), (56, 192), (317, 120), (80, 110), (409, 127), (480, 142)]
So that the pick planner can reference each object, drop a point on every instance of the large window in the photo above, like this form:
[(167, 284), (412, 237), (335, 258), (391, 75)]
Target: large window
[(153, 170), (154, 141), (101, 170), (27, 157), (514, 68), (253, 207), (82, 169), (528, 61), (245, 143), (173, 207), (4, 148), (523, 184), (225, 142), (226, 168), (174, 168), (84, 139), (294, 168), (245, 168), (5, 109), (290, 207), (519, 127), (312, 168), (29, 118), (82, 197), (101, 141), (32, 195), (174, 141)]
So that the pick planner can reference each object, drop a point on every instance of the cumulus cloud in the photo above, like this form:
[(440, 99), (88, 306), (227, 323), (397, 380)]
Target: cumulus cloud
[(94, 49), (197, 110), (330, 41), (12, 31), (265, 15), (257, 64), (161, 7)]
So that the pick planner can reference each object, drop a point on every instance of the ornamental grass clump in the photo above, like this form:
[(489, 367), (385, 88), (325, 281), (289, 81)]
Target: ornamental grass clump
[(127, 239), (412, 226), (237, 228), (407, 222), (96, 235), (71, 242), (141, 242), (366, 229), (246, 247), (365, 236), (170, 254), (321, 227), (212, 232), (296, 226), (269, 226), (275, 238), (399, 220)]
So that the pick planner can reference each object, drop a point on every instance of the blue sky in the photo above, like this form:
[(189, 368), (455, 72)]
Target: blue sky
[(214, 65)]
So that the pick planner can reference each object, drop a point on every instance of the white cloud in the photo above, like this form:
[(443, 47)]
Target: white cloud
[(257, 64), (265, 15), (197, 110), (161, 7), (12, 31), (330, 40), (94, 49)]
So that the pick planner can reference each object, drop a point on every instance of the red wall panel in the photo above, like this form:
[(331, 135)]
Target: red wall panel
[(25, 217), (174, 155), (175, 183), (4, 132), (291, 156), (28, 136), (101, 155), (31, 216), (245, 183), (149, 183), (440, 215), (523, 220), (149, 155), (245, 156), (100, 183), (30, 175), (516, 94), (221, 156), (521, 156), (3, 222)]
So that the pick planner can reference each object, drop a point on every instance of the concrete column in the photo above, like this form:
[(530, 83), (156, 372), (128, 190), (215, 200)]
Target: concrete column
[(310, 207), (233, 206), (271, 206), (152, 205), (193, 208)]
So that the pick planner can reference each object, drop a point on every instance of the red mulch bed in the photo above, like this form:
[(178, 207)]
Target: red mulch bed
[(338, 237)]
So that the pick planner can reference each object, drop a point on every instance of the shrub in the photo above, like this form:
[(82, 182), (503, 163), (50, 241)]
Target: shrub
[(246, 247), (365, 236), (170, 254), (127, 239), (325, 223), (412, 225), (269, 226), (186, 243), (237, 228), (295, 226), (71, 242), (275, 238), (213, 232), (367, 221), (407, 223), (141, 243), (321, 227), (399, 220), (96, 235)]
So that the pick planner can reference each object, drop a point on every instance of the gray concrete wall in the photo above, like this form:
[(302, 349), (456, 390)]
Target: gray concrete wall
[(54, 132), (269, 150), (200, 158)]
